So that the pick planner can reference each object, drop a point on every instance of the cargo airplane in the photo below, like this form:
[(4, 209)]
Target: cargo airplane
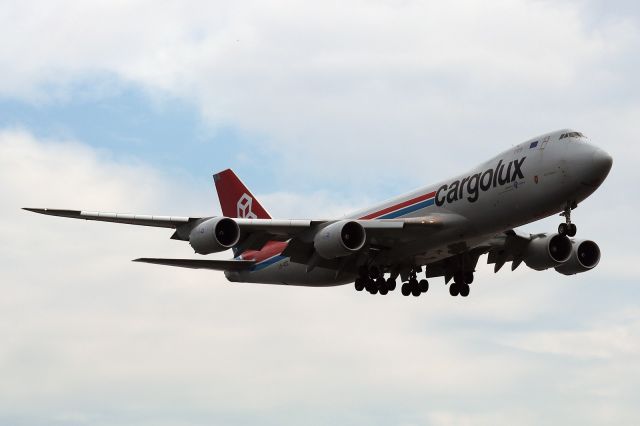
[(437, 231)]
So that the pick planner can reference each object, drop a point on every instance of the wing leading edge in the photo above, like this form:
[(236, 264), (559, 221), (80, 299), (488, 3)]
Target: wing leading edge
[(131, 219)]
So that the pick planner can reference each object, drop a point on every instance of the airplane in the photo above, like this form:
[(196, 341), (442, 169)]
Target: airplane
[(440, 230)]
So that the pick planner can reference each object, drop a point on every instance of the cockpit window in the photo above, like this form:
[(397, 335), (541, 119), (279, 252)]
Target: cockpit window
[(572, 135)]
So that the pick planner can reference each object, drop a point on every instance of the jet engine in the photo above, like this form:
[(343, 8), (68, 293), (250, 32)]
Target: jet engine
[(548, 252), (339, 239), (584, 257), (214, 235)]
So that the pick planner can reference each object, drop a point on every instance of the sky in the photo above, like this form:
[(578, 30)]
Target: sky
[(322, 108)]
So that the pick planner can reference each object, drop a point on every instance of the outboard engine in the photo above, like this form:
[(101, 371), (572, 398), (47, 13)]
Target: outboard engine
[(584, 257)]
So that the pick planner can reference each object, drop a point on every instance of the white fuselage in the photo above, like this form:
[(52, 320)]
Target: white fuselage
[(530, 181)]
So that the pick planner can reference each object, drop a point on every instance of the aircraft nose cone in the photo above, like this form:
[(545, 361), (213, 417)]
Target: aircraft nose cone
[(602, 163)]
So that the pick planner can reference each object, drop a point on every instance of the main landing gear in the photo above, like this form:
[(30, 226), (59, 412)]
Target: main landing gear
[(373, 281), (569, 229), (413, 286), (460, 284)]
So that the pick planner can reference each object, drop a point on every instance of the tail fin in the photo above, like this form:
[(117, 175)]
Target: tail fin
[(235, 199)]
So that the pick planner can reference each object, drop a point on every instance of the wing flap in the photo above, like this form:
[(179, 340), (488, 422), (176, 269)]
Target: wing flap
[(216, 265)]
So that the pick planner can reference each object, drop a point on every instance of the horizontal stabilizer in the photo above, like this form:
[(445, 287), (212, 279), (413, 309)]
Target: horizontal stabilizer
[(217, 265)]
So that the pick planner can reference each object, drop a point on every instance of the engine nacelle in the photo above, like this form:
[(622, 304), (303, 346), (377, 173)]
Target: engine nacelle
[(584, 257), (548, 252), (339, 239), (214, 235)]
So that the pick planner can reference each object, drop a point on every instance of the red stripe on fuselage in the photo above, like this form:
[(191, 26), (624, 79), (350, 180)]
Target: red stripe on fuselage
[(399, 206)]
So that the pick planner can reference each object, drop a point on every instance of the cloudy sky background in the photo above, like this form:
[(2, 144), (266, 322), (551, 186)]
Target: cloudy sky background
[(321, 108)]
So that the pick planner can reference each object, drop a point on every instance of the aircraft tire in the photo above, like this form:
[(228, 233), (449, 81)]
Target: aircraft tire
[(405, 289), (464, 290), (563, 229), (453, 289), (359, 284), (424, 286), (391, 284), (416, 291), (573, 230)]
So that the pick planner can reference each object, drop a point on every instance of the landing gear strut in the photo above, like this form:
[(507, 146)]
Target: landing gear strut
[(569, 229)]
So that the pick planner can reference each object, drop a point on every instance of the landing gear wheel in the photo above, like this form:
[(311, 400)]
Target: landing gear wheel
[(573, 230), (382, 285), (391, 284), (405, 289), (424, 286), (464, 290), (415, 288), (359, 284), (563, 229), (370, 286), (454, 290), (383, 290)]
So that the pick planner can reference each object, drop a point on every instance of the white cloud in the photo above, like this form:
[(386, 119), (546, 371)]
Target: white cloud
[(614, 339), (368, 91)]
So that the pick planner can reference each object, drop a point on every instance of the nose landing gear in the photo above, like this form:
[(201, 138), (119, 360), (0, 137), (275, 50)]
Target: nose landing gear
[(569, 229)]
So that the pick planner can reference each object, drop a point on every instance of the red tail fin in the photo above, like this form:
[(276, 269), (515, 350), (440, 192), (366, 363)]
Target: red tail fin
[(235, 199)]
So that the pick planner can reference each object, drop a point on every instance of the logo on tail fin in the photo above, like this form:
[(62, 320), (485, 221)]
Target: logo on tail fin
[(244, 207)]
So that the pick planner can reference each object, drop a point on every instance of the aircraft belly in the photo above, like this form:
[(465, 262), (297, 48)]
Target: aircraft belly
[(285, 272)]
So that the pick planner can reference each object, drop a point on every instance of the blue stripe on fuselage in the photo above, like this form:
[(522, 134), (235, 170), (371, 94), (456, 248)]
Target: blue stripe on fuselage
[(409, 209), (267, 262)]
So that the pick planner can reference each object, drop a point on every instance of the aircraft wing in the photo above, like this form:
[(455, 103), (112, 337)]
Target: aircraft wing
[(382, 234), (282, 229), (218, 265)]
